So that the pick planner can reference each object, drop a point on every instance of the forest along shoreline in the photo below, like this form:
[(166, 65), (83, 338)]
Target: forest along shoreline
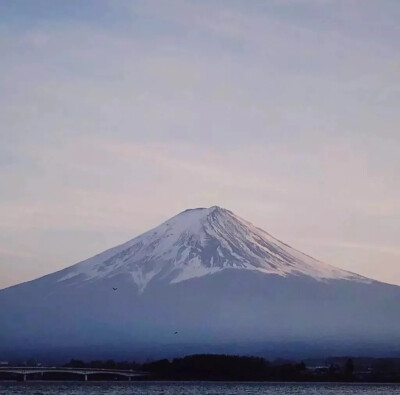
[(210, 367)]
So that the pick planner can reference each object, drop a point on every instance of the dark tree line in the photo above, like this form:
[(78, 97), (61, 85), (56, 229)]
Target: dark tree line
[(227, 367)]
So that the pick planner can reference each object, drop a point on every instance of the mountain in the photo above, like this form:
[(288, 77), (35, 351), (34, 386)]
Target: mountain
[(203, 281)]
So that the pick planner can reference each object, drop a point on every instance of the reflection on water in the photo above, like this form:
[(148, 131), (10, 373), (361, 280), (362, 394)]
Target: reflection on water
[(194, 388)]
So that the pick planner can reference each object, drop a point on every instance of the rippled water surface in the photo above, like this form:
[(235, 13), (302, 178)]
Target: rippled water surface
[(194, 388)]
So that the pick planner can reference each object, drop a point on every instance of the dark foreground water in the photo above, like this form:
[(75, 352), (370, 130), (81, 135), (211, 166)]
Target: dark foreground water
[(195, 388)]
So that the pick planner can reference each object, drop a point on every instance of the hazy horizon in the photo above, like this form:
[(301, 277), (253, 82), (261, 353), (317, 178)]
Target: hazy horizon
[(118, 115)]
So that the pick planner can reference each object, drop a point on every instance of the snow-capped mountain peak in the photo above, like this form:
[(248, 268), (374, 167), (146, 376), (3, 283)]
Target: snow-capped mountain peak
[(199, 242)]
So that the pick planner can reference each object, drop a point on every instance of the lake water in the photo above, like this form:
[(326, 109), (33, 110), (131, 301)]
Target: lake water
[(194, 388)]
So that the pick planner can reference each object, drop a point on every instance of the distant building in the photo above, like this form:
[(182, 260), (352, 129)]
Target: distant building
[(318, 369)]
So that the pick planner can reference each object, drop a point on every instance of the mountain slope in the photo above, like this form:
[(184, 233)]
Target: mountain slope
[(198, 242), (221, 283)]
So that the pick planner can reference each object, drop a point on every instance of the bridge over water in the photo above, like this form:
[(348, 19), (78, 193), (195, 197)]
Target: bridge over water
[(84, 372)]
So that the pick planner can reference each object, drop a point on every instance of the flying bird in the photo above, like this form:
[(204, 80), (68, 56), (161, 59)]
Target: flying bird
[(175, 333), (115, 289)]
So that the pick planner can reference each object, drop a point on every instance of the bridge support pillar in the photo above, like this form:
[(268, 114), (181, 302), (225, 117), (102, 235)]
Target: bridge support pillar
[(129, 378), (85, 377), (24, 377)]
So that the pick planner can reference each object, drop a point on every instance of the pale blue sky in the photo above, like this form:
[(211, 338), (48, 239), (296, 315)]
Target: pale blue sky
[(116, 115)]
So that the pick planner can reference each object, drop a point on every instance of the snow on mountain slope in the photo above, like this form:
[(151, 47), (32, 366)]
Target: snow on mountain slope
[(199, 242)]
